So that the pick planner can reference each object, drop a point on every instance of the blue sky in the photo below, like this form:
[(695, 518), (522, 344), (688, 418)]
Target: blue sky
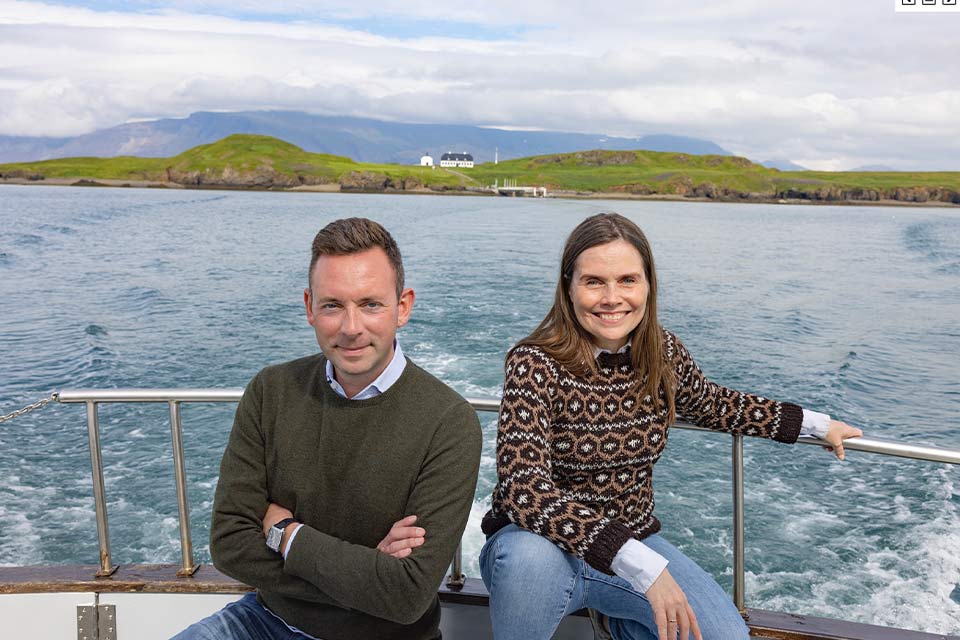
[(395, 25), (826, 84)]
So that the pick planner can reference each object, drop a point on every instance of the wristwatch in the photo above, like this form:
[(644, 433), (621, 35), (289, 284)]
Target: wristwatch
[(276, 533)]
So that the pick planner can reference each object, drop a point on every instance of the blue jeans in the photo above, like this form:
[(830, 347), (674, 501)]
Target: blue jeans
[(245, 619), (533, 584)]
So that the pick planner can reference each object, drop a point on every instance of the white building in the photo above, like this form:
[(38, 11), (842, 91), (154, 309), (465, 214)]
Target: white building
[(426, 160), (451, 159)]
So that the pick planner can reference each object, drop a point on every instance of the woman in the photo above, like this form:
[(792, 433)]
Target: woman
[(587, 401)]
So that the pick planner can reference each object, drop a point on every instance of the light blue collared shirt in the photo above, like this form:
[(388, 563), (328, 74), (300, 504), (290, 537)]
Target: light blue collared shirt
[(383, 382)]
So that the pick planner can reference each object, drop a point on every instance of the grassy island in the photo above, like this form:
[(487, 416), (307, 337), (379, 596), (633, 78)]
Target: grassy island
[(261, 162)]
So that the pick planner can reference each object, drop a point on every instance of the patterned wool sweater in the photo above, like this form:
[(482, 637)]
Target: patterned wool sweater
[(575, 454)]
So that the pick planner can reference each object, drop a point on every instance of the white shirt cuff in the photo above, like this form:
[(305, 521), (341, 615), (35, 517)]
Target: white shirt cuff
[(814, 424), (638, 564), (293, 535)]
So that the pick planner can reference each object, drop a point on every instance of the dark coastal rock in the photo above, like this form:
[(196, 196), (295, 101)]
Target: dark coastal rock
[(683, 186), (858, 194), (911, 194), (365, 181), (445, 187), (20, 174), (263, 176), (710, 190), (312, 179), (924, 194)]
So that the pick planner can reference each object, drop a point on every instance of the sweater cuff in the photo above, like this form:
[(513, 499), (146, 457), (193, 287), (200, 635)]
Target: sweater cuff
[(605, 546), (301, 559), (791, 418)]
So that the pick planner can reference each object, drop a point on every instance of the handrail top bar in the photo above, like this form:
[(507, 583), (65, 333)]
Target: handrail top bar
[(194, 395), (868, 445), (149, 395)]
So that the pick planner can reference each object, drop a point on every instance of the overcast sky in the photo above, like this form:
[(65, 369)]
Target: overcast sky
[(829, 84)]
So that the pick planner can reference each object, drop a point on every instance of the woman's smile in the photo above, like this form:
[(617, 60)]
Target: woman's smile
[(610, 317)]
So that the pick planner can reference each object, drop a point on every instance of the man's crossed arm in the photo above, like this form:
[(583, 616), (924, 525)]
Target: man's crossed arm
[(399, 542)]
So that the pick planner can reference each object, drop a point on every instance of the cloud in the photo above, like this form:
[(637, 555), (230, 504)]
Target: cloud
[(827, 85)]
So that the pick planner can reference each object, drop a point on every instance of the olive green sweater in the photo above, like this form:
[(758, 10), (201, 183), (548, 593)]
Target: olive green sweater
[(347, 469)]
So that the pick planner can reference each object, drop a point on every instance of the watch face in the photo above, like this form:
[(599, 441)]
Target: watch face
[(274, 537)]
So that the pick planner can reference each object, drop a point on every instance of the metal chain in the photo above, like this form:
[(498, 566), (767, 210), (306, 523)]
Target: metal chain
[(27, 409)]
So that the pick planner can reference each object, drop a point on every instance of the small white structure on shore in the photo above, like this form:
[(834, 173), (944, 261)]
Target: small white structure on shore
[(426, 160), (462, 160)]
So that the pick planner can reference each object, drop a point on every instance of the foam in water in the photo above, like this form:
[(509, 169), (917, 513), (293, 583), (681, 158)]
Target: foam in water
[(907, 583), (916, 582)]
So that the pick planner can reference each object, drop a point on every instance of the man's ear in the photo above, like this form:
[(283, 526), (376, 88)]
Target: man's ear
[(407, 296), (309, 307)]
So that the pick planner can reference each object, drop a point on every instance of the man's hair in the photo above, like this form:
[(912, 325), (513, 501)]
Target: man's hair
[(354, 235)]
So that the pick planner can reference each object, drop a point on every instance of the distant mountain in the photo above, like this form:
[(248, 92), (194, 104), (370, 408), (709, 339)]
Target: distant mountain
[(874, 167), (783, 165), (362, 139)]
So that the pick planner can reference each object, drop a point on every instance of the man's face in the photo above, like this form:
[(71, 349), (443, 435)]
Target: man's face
[(355, 313)]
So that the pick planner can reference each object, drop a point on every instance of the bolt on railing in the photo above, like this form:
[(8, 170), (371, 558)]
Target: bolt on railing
[(175, 397)]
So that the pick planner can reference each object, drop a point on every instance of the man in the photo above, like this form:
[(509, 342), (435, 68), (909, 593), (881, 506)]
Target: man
[(349, 475)]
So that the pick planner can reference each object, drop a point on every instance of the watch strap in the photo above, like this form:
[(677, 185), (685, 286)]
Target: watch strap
[(283, 524)]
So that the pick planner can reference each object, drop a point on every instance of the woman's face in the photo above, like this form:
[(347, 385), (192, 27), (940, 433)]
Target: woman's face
[(609, 291)]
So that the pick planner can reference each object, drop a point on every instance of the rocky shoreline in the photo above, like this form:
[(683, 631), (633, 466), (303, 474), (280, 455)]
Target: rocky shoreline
[(370, 182)]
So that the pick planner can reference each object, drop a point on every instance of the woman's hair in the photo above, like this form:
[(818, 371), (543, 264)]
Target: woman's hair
[(562, 337)]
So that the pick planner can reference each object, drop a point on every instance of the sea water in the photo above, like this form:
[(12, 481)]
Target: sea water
[(848, 310)]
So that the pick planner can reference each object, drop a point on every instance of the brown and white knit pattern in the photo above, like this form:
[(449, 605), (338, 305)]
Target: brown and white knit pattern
[(575, 454)]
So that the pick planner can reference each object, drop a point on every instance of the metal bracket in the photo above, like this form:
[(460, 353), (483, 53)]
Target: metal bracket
[(107, 621), (455, 582), (87, 622), (97, 622)]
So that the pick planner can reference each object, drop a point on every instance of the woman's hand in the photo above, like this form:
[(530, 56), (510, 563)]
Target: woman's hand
[(837, 432), (671, 610)]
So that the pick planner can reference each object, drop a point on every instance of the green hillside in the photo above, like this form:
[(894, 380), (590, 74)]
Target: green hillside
[(250, 161), (725, 177), (628, 171), (239, 160)]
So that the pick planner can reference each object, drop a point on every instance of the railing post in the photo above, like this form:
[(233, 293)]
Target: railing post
[(187, 566), (456, 578), (99, 496), (738, 546)]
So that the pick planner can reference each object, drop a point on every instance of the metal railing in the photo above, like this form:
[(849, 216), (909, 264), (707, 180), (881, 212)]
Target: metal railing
[(175, 397)]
